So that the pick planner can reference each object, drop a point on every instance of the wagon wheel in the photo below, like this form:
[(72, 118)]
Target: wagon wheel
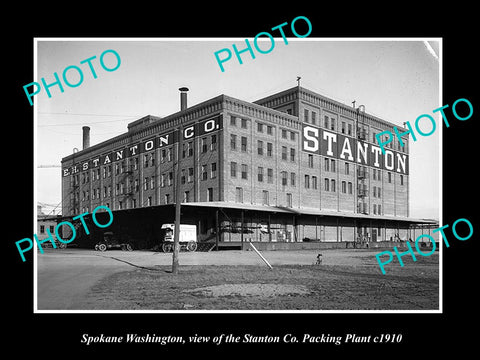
[(129, 247), (166, 247), (192, 246), (62, 245), (102, 247), (96, 247)]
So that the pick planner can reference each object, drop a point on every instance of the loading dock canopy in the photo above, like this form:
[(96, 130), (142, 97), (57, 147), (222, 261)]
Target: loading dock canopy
[(286, 210)]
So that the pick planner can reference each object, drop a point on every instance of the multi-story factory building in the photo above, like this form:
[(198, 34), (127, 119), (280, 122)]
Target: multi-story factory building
[(294, 167)]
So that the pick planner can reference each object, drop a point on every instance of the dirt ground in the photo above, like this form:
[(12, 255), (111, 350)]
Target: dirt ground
[(346, 280)]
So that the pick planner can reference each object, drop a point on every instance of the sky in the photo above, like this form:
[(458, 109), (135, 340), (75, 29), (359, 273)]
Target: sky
[(396, 80)]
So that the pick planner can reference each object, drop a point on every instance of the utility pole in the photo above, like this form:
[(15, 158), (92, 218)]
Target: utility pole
[(178, 201)]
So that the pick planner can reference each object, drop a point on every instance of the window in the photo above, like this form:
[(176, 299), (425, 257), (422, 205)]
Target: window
[(145, 160), (162, 180), (401, 179), (244, 123), (233, 120), (314, 182), (167, 198), (332, 165), (170, 178), (260, 174), (310, 160), (260, 127), (344, 187), (149, 201), (292, 178), (347, 168), (284, 153), (210, 194), (163, 155), (284, 134), (136, 184), (233, 142), (269, 130), (120, 205), (186, 196), (260, 147), (343, 127), (213, 145), (332, 124), (51, 228), (374, 191), (239, 195), (292, 154), (269, 149), (326, 122), (349, 132), (305, 116), (266, 200), (374, 208), (117, 189), (327, 164), (379, 208), (379, 192), (190, 148), (233, 169), (152, 159), (213, 173), (332, 185), (307, 181), (184, 150), (134, 203), (389, 177), (289, 200), (117, 170), (374, 174), (270, 176), (292, 136), (373, 137), (204, 172), (244, 171), (327, 185), (190, 175), (183, 176), (314, 120), (152, 182), (42, 229), (350, 188), (244, 144), (204, 145), (135, 163), (284, 178)]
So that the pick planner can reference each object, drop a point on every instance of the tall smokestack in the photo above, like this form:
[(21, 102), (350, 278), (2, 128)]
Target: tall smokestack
[(86, 137), (183, 98)]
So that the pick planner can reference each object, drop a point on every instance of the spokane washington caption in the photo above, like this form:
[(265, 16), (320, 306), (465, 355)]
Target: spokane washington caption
[(132, 338)]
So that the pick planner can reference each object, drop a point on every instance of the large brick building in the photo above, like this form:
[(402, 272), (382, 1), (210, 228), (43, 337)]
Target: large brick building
[(293, 167)]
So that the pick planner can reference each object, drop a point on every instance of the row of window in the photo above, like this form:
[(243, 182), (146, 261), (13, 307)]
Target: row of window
[(167, 199), (284, 177), (265, 197), (262, 128)]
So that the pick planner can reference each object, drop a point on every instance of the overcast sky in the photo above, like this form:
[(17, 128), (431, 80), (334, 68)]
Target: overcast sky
[(395, 80)]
